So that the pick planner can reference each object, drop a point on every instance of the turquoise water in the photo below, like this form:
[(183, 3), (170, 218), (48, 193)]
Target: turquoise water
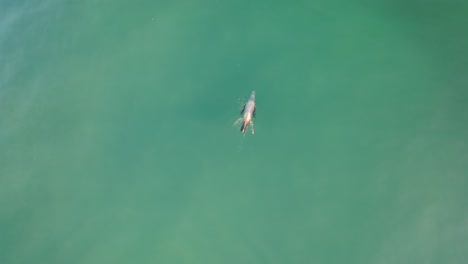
[(117, 144)]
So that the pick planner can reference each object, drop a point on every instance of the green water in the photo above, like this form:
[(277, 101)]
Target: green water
[(117, 144)]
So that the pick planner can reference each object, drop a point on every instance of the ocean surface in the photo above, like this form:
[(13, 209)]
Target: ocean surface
[(117, 142)]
